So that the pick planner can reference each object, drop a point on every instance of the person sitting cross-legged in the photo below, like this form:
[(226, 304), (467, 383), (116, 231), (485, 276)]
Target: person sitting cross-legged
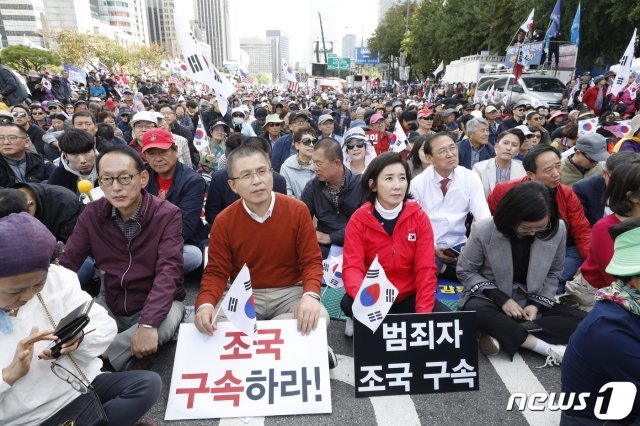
[(389, 225), (136, 239), (510, 268), (286, 276)]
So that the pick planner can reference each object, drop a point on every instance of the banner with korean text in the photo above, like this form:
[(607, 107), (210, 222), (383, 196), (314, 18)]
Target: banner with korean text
[(417, 353), (224, 375)]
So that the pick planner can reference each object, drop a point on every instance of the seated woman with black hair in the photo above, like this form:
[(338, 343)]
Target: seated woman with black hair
[(510, 268), (396, 230), (605, 347)]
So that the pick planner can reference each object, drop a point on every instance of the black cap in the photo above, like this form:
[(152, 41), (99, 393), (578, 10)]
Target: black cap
[(297, 114), (261, 112)]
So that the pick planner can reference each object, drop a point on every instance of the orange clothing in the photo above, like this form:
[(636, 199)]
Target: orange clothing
[(280, 252)]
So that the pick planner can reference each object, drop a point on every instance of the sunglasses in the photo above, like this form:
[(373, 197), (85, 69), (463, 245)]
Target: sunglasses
[(19, 114), (308, 141), (430, 118), (274, 124), (355, 145), (53, 107)]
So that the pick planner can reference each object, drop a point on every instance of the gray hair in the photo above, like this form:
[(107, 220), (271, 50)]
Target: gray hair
[(472, 126)]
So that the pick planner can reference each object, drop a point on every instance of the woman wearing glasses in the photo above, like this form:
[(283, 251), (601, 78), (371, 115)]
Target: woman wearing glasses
[(298, 169), (510, 268), (34, 295), (359, 152)]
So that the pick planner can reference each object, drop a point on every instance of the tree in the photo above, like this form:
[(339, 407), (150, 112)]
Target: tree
[(25, 58), (149, 57), (79, 50), (263, 78), (387, 38)]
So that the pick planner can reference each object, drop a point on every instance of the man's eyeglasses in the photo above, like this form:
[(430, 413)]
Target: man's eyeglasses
[(248, 176), (452, 149), (66, 375), (11, 138), (351, 146), (19, 114), (106, 181), (146, 127)]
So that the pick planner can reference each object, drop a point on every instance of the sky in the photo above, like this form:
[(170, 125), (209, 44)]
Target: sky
[(299, 21)]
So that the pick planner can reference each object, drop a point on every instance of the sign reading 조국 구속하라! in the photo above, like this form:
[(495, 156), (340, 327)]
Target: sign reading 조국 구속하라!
[(224, 375), (416, 353)]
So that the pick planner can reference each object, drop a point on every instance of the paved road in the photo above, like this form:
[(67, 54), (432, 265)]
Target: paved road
[(498, 378)]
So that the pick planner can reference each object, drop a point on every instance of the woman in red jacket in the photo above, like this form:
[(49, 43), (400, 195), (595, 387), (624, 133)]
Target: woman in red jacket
[(398, 232)]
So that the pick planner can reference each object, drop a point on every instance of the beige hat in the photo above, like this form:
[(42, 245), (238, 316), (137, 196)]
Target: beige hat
[(272, 118)]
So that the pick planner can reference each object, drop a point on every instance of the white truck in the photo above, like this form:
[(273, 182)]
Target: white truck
[(469, 69)]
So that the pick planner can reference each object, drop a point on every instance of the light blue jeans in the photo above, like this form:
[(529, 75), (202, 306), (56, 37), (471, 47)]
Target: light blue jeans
[(192, 258)]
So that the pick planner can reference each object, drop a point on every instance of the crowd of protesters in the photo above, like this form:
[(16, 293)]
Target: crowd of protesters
[(517, 202)]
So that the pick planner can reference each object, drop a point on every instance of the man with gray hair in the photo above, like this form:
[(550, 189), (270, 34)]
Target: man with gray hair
[(475, 147)]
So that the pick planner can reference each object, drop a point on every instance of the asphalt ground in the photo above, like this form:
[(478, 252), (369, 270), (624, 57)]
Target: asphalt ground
[(484, 407)]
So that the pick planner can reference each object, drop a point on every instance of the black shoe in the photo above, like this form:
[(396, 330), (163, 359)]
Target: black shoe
[(333, 360)]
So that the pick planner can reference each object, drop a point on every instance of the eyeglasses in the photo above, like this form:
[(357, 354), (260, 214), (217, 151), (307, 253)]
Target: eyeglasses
[(106, 181), (452, 149), (528, 230), (308, 141), (350, 146), (248, 176), (66, 375), (146, 127), (430, 118), (53, 107), (274, 124), (11, 138), (37, 113), (19, 114)]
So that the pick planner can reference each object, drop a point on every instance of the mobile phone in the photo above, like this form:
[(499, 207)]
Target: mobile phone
[(451, 252), (531, 326)]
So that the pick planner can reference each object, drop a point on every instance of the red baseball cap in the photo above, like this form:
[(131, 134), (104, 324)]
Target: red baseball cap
[(424, 113), (157, 138)]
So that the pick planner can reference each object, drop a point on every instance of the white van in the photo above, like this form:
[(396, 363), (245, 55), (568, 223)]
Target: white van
[(539, 89)]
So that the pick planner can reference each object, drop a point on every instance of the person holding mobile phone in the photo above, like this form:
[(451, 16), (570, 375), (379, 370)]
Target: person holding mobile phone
[(510, 268), (35, 295)]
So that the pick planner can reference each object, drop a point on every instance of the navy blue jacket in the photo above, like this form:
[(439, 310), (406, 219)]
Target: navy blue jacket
[(38, 169), (464, 153), (333, 221), (282, 149), (604, 348), (590, 191), (187, 193), (63, 177), (221, 196)]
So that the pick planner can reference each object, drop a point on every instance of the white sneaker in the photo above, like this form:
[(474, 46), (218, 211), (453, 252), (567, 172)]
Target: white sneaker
[(488, 345), (555, 355), (348, 327)]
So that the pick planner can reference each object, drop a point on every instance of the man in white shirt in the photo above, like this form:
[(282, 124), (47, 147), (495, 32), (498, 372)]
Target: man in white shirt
[(448, 192)]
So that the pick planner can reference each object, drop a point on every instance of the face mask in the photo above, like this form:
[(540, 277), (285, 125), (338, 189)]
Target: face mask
[(238, 121)]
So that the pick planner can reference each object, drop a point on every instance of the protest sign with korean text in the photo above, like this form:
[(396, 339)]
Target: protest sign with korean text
[(417, 353), (224, 375)]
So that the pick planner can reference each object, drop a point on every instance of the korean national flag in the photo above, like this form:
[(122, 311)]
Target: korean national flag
[(239, 306), (200, 139), (332, 272), (375, 297)]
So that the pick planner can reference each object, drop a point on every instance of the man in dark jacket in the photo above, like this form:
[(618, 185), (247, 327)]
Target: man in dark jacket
[(475, 147), (58, 90), (173, 181), (22, 117), (518, 110), (12, 92), (56, 207), (136, 239), (16, 163), (333, 195), (77, 161), (283, 148)]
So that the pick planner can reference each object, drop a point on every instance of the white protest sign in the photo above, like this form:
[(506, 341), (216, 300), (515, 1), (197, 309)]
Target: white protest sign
[(223, 375)]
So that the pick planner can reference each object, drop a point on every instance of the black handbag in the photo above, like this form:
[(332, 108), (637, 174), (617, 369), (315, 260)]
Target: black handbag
[(86, 410)]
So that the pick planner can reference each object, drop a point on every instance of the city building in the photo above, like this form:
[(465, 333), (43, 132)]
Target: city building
[(161, 26), (127, 15), (280, 48), (212, 17), (349, 46), (260, 54), (21, 23)]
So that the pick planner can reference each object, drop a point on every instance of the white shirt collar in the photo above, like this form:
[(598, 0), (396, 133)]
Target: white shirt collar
[(438, 178), (268, 213)]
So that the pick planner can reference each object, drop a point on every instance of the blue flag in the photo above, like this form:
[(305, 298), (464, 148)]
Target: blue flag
[(575, 27), (555, 25)]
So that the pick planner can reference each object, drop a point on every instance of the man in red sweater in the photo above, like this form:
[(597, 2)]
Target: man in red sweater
[(542, 163), (274, 235)]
